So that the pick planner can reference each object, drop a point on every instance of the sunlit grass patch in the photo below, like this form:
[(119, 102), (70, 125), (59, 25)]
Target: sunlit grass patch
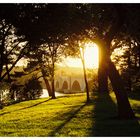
[(66, 116), (38, 117)]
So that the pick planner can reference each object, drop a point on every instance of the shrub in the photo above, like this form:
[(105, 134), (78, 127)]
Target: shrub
[(32, 89)]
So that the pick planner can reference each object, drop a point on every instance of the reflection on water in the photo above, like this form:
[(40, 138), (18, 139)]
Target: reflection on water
[(45, 94)]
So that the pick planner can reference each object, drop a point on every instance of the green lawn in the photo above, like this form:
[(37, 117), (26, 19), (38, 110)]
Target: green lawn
[(67, 116)]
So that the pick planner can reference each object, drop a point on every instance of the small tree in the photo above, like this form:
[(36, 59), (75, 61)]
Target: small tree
[(44, 59)]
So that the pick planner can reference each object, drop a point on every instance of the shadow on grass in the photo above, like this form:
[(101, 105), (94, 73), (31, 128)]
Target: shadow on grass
[(106, 122), (25, 107), (68, 117)]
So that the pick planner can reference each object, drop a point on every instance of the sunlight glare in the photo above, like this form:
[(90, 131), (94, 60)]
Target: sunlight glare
[(90, 55)]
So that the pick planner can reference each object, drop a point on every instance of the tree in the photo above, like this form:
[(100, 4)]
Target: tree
[(124, 108), (12, 49), (54, 50), (105, 32), (45, 57), (36, 63), (127, 61), (84, 69), (76, 48)]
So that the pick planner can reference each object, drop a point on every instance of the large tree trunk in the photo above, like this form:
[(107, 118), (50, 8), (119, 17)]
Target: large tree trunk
[(107, 68), (46, 83), (53, 91), (47, 86), (124, 109), (102, 73)]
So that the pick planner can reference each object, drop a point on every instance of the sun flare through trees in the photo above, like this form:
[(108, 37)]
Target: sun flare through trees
[(91, 57)]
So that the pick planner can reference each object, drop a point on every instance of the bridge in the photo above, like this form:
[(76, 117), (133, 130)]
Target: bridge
[(68, 84)]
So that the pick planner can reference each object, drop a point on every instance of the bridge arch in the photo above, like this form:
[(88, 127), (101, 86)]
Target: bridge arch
[(76, 86), (65, 85)]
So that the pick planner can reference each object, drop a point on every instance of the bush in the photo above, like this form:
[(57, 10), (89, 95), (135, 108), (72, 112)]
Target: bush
[(32, 89), (4, 90), (16, 92)]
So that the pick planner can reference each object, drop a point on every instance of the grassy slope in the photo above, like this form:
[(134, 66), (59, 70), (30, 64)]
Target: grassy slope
[(67, 116)]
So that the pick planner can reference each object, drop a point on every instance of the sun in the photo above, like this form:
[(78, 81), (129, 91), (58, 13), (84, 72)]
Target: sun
[(91, 57)]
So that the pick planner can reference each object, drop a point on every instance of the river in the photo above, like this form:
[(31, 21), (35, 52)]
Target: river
[(45, 94)]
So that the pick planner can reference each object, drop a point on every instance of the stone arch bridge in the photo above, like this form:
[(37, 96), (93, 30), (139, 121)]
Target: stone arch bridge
[(69, 84)]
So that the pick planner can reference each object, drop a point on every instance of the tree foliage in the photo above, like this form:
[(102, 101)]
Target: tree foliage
[(12, 49)]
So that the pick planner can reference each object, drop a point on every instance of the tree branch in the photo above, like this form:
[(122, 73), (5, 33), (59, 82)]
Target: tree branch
[(19, 57)]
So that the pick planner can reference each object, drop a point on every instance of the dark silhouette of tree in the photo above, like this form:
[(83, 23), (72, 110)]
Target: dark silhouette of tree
[(124, 108), (38, 63), (12, 49), (44, 58), (127, 61), (54, 52)]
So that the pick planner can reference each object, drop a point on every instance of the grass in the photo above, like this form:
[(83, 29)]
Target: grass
[(67, 116)]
